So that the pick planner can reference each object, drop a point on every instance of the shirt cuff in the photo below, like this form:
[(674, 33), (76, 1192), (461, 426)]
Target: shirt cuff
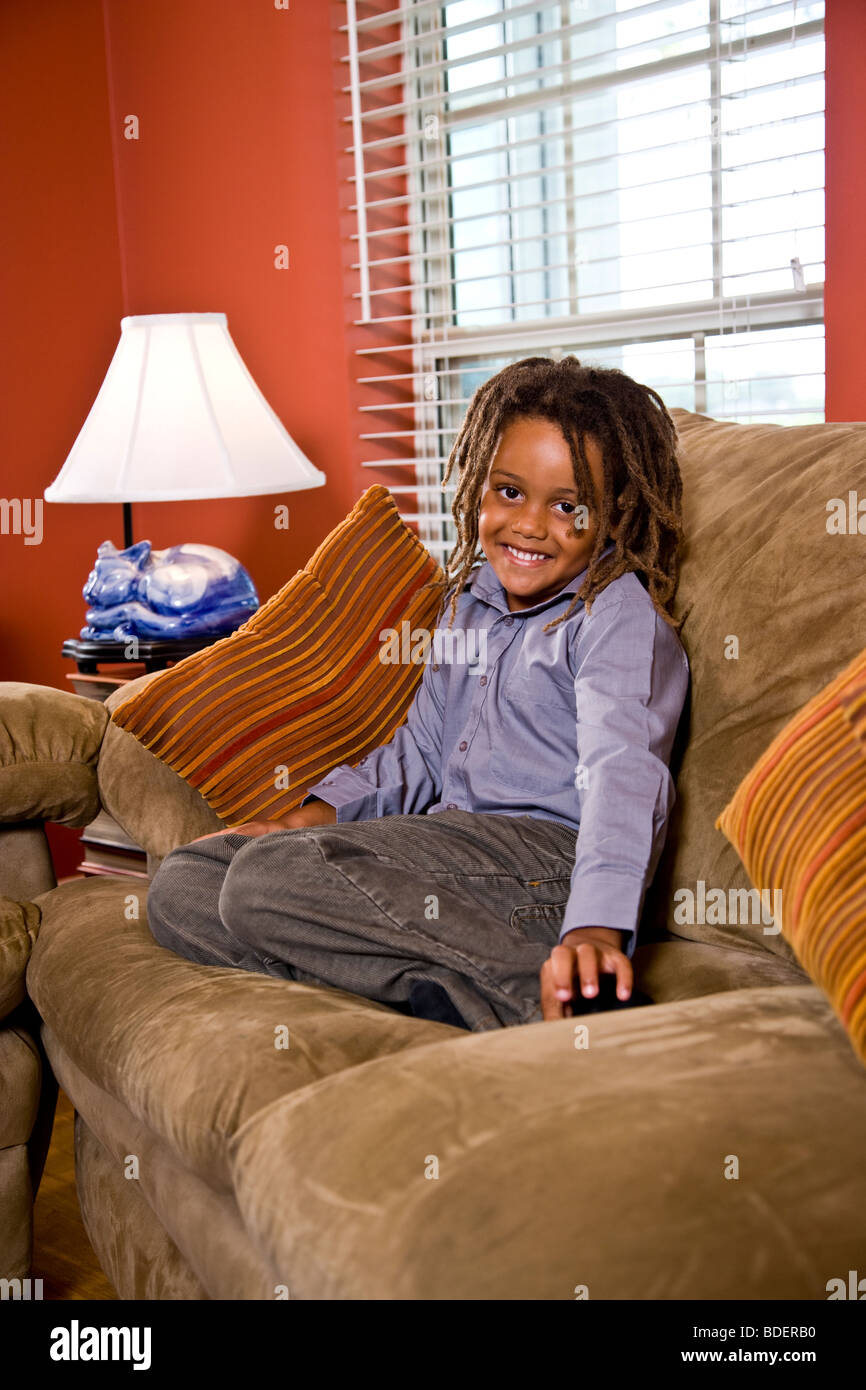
[(351, 802), (606, 900)]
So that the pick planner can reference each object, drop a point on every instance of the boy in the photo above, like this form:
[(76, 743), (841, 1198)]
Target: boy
[(496, 852)]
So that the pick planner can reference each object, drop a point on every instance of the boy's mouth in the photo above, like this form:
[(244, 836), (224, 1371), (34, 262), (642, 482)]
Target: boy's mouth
[(527, 559)]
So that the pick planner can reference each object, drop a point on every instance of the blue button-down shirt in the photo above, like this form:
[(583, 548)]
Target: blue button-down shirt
[(573, 725)]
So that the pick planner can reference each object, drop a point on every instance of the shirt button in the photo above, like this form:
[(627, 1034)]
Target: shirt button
[(483, 680), (463, 746), (451, 806), (509, 622)]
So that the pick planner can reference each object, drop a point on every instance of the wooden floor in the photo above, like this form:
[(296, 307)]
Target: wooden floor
[(63, 1257)]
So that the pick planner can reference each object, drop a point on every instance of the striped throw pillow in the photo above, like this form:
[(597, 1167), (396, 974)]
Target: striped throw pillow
[(255, 719), (798, 822)]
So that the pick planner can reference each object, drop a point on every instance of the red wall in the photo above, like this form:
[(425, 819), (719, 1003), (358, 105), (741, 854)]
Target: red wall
[(845, 291), (60, 309), (238, 152)]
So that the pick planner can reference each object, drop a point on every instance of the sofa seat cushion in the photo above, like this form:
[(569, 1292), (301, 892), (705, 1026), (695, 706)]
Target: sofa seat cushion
[(149, 1217), (135, 1251), (190, 1050), (708, 1149), (673, 969)]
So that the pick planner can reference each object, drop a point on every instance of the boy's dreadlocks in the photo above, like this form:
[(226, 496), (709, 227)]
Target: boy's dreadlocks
[(642, 483)]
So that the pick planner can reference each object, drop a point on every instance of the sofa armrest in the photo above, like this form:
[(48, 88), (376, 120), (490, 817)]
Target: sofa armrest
[(49, 746), (158, 808), (26, 866)]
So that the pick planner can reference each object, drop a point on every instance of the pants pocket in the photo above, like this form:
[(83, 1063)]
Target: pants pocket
[(540, 922)]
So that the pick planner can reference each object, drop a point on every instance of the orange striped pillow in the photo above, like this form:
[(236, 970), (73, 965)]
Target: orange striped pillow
[(255, 719), (798, 822), (854, 709)]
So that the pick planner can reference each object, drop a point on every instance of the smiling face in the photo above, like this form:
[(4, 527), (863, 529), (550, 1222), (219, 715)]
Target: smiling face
[(526, 521)]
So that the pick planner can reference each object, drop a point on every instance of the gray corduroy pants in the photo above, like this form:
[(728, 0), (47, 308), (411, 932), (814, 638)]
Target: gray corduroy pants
[(472, 903)]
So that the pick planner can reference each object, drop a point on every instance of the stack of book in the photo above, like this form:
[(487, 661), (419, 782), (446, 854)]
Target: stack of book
[(109, 678), (109, 850)]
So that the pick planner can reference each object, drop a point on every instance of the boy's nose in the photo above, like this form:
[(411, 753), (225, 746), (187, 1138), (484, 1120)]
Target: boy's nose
[(530, 524)]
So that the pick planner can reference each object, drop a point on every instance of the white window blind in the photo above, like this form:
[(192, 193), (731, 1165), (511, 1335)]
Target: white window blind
[(640, 184)]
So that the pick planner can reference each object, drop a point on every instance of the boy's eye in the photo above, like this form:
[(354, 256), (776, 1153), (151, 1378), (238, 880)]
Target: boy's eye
[(510, 491)]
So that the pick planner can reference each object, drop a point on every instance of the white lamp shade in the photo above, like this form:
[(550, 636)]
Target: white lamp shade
[(179, 416)]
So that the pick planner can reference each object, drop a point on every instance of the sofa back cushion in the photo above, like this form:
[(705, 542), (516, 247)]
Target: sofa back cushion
[(253, 720), (770, 586)]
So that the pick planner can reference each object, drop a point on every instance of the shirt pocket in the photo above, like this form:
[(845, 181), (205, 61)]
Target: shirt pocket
[(535, 747)]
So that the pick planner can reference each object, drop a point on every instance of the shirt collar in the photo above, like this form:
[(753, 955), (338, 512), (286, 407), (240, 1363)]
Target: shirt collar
[(486, 586)]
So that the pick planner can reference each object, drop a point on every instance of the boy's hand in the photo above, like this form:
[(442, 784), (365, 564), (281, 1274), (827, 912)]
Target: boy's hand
[(581, 956), (314, 813)]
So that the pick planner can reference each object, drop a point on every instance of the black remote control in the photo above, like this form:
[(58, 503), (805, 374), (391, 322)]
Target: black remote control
[(606, 998)]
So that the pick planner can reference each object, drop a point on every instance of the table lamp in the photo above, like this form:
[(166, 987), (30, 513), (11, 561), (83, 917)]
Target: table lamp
[(177, 417)]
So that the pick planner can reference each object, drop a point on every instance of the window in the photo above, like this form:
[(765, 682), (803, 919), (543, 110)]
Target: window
[(640, 184)]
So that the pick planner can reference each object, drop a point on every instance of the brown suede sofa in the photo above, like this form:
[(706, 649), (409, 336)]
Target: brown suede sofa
[(379, 1156)]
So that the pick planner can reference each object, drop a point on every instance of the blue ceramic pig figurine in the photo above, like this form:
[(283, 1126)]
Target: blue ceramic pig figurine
[(184, 591)]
